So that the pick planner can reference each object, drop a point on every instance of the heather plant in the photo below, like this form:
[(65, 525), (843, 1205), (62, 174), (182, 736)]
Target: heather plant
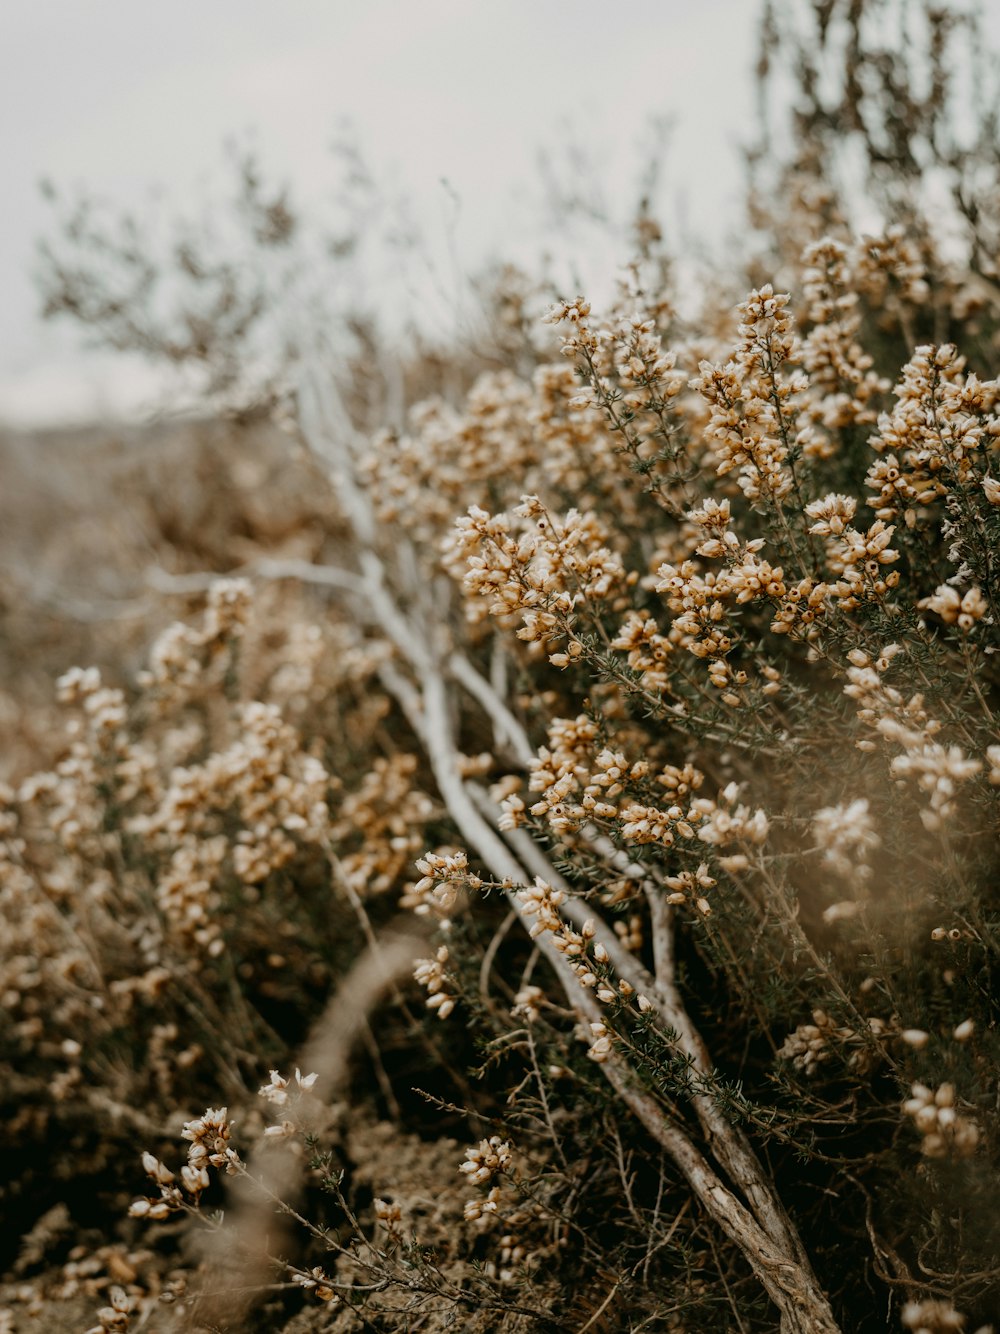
[(609, 861)]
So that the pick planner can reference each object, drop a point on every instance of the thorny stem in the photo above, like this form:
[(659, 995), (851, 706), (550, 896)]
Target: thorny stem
[(385, 1271), (654, 488)]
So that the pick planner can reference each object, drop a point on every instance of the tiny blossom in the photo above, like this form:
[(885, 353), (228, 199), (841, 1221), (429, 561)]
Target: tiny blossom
[(527, 1003), (938, 770), (714, 517), (841, 912), (842, 383), (893, 257), (315, 1281), (388, 1214), (281, 1130), (511, 1253), (931, 436), (631, 932), (915, 1037), (182, 655), (811, 1045), (160, 1173), (195, 1179), (575, 312), (575, 784), (858, 559), (646, 649)]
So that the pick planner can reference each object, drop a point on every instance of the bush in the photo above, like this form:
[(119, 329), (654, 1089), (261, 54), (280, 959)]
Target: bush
[(656, 684)]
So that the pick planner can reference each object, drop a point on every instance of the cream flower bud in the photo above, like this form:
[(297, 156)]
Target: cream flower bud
[(915, 1037)]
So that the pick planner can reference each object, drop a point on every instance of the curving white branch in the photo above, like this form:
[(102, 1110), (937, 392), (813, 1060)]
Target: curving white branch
[(422, 680)]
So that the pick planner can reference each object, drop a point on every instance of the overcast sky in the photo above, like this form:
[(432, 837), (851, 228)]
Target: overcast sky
[(122, 96)]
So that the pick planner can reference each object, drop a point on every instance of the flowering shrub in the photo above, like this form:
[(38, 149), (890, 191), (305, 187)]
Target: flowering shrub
[(634, 794)]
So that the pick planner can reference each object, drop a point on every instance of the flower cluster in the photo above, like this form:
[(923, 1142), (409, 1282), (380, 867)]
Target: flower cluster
[(843, 386), (185, 657), (945, 1131), (578, 782), (728, 820), (114, 1318), (550, 577), (210, 1147), (935, 1317), (287, 1096), (486, 1159), (931, 440), (279, 796), (937, 769), (689, 887), (813, 1045), (750, 403), (846, 834), (442, 876), (431, 974)]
